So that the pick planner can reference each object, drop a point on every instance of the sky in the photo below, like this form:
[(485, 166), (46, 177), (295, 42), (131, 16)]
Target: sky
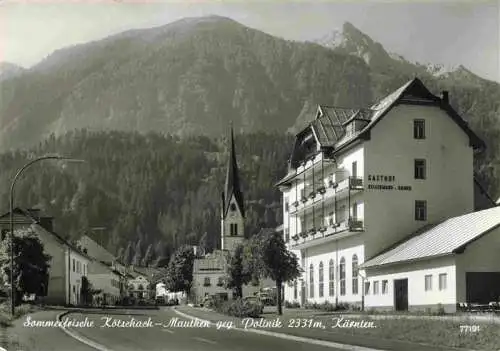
[(445, 32)]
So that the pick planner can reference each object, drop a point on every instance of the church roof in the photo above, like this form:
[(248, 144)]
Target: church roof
[(233, 186)]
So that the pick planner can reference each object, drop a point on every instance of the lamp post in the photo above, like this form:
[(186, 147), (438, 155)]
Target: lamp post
[(19, 172)]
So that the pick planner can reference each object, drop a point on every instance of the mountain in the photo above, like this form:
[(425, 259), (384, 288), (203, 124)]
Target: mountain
[(194, 76), (10, 70), (189, 77)]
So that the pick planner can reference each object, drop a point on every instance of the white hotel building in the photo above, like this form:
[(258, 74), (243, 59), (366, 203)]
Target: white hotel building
[(365, 199)]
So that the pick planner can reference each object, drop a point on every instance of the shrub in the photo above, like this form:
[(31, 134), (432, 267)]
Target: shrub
[(238, 308), (294, 304)]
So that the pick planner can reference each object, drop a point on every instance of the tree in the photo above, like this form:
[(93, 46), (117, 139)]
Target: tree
[(237, 275), (87, 291), (120, 253), (148, 256), (179, 275), (273, 260), (128, 254), (31, 264), (137, 259)]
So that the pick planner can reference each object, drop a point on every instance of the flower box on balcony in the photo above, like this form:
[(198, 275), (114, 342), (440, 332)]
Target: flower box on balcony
[(303, 234), (295, 237), (322, 190), (312, 194), (312, 231), (303, 199), (206, 284), (332, 184), (322, 229), (355, 182), (220, 284), (355, 224), (336, 225), (296, 203)]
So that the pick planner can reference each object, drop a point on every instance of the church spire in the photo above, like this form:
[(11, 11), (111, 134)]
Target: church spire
[(232, 179)]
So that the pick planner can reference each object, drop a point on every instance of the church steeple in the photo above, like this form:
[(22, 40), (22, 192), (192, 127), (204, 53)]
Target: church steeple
[(233, 186)]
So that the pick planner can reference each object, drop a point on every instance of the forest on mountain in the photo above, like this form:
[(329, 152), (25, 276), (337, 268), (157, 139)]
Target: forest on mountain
[(148, 189)]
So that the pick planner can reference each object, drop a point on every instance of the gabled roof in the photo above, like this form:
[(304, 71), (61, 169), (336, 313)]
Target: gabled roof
[(446, 238), (25, 217), (233, 186), (329, 124)]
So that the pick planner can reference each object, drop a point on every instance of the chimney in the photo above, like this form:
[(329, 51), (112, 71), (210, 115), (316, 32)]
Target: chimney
[(445, 98), (47, 223)]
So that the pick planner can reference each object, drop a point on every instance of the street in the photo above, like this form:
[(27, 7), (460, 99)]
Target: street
[(176, 338)]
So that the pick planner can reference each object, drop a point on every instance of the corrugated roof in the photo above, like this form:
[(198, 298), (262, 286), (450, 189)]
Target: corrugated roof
[(442, 239)]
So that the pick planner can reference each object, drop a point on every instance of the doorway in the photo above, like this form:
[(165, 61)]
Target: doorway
[(401, 294)]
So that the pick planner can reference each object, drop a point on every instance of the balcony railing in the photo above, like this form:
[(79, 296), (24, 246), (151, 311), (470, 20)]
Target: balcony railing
[(355, 182), (355, 224)]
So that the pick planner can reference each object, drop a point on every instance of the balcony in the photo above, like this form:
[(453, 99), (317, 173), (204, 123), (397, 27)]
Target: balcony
[(335, 190), (333, 231)]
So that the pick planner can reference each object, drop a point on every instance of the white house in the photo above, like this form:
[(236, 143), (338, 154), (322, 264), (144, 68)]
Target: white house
[(67, 264), (447, 263), (103, 276), (361, 180)]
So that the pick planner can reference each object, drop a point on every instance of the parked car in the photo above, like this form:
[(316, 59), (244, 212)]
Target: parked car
[(267, 299), (255, 300)]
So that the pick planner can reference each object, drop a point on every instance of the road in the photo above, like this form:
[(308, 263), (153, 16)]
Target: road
[(158, 338)]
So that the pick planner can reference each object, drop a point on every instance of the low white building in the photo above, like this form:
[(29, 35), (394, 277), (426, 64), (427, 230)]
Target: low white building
[(104, 277), (449, 263)]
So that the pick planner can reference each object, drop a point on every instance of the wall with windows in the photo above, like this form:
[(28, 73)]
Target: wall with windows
[(430, 283), (77, 267), (391, 154), (341, 254), (109, 285), (232, 227)]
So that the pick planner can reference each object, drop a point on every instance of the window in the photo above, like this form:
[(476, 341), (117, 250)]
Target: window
[(367, 288), (295, 292), (141, 287), (220, 281), (286, 205), (428, 282), (311, 281), (375, 288), (419, 169), (206, 281), (355, 211), (331, 278), (320, 292), (419, 129), (355, 275), (331, 218), (233, 229), (385, 287), (78, 267), (74, 289), (233, 207), (442, 281), (420, 210), (342, 276), (287, 235), (354, 169), (74, 265)]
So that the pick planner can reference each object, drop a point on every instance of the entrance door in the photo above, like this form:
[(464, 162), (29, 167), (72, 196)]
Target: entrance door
[(354, 169), (401, 294)]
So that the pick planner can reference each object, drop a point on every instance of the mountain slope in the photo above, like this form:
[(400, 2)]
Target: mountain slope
[(189, 77), (193, 76), (10, 70)]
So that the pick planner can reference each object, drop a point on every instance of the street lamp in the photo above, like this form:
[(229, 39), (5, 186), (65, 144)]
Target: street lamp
[(19, 172)]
